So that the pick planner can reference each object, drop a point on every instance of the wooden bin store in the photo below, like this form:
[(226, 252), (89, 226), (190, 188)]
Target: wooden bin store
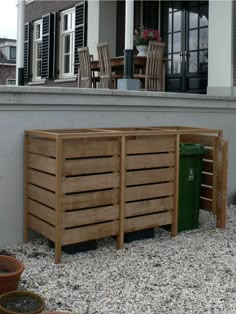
[(86, 184)]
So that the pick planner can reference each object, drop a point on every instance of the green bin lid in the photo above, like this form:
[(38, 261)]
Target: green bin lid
[(192, 149)]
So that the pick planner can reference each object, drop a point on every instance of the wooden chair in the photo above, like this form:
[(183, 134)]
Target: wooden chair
[(153, 71), (107, 78), (85, 77)]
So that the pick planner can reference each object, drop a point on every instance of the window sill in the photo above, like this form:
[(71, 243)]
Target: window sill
[(37, 82), (64, 79)]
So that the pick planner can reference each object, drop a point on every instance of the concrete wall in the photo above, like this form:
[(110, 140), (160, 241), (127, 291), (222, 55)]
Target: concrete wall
[(24, 108)]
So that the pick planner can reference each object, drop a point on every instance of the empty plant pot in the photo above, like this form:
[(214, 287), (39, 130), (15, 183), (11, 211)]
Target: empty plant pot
[(10, 272), (25, 302)]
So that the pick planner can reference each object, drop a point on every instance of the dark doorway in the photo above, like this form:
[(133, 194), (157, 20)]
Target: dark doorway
[(185, 32)]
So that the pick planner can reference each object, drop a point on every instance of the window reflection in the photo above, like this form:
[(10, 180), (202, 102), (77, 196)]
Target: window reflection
[(177, 21), (193, 40), (203, 16), (203, 38), (169, 43), (170, 23), (192, 62), (176, 64), (193, 20), (176, 42)]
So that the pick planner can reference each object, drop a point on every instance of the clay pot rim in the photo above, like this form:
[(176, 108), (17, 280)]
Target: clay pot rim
[(18, 292), (17, 273)]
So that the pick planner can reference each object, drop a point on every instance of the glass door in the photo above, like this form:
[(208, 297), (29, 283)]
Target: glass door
[(185, 32)]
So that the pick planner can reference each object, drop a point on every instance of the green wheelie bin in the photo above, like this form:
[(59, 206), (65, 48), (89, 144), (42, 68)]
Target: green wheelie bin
[(190, 176)]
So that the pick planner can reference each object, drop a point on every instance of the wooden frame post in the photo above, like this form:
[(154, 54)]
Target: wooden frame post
[(174, 225), (26, 163)]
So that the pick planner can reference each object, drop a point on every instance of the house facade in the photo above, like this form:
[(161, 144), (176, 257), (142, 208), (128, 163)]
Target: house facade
[(199, 37), (7, 61)]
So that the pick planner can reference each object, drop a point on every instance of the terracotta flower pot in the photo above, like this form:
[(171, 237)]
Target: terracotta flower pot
[(10, 272), (26, 302)]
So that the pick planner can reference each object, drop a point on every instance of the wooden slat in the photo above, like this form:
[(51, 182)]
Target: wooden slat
[(42, 196), (148, 206), (207, 166), (44, 180), (196, 138), (42, 163), (42, 147), (86, 166), (207, 179), (149, 176), (86, 233), (42, 227), (89, 183), (90, 199), (149, 191), (206, 192), (206, 204), (43, 212), (90, 149), (151, 145), (174, 225), (149, 221), (90, 216), (209, 154), (150, 161)]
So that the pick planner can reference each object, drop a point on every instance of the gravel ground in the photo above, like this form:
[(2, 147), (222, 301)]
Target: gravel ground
[(192, 273)]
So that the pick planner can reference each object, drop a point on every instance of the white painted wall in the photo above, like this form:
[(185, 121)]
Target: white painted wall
[(24, 108), (101, 25), (220, 47)]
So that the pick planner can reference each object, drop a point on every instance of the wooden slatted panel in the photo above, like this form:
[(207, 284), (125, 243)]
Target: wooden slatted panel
[(41, 211), (150, 161), (149, 206), (149, 176), (207, 179), (42, 147), (90, 149), (92, 232), (90, 216), (205, 204), (42, 163), (207, 166), (148, 221), (89, 183), (207, 192), (42, 227), (93, 165), (42, 179), (151, 145), (149, 191), (42, 196), (90, 199)]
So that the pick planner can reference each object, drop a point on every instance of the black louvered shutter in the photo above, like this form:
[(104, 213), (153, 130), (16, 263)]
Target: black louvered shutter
[(48, 41), (80, 30), (27, 52)]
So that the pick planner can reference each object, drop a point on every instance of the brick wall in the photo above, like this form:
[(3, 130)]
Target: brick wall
[(7, 72)]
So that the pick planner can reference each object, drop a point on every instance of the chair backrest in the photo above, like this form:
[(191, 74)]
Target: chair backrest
[(153, 73), (84, 73), (105, 65)]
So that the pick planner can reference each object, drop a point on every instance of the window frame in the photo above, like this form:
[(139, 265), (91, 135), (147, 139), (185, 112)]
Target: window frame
[(8, 80), (70, 31), (36, 43)]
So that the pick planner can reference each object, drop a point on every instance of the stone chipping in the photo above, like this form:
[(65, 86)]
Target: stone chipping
[(194, 272)]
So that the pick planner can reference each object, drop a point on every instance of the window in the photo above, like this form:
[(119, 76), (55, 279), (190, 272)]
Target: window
[(37, 50), (12, 53), (11, 82), (67, 43)]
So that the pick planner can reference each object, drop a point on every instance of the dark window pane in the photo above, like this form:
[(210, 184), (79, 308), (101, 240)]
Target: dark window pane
[(177, 21), (170, 22), (176, 42), (203, 15), (67, 44), (203, 61), (193, 44), (176, 63), (169, 43), (67, 64), (13, 53), (39, 51), (203, 38), (38, 68), (38, 27), (192, 62), (169, 67), (65, 22), (193, 19)]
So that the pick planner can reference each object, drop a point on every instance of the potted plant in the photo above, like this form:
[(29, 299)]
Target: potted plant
[(10, 272), (142, 38), (26, 302)]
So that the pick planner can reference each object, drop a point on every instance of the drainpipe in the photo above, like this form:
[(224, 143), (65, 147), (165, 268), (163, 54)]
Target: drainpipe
[(20, 42), (129, 28)]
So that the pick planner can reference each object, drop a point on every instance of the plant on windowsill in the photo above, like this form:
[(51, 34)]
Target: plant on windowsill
[(142, 38)]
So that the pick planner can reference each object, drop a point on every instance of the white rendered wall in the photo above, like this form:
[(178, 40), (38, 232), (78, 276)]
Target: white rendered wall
[(101, 25), (220, 47)]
